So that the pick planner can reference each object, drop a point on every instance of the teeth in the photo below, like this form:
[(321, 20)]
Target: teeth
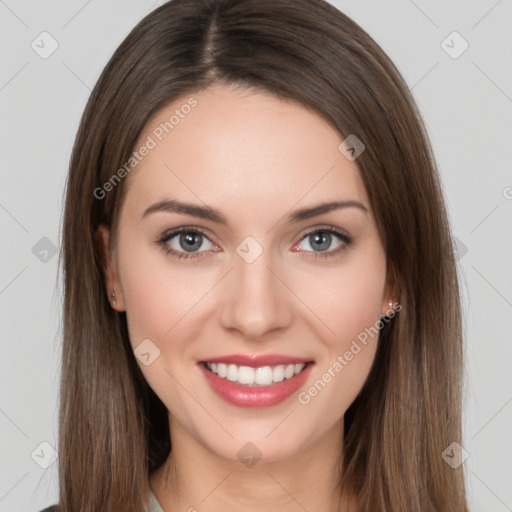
[(278, 374), (262, 376), (232, 373), (289, 371), (222, 370)]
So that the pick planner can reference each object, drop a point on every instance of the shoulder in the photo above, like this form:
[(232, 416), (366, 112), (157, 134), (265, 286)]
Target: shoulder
[(53, 508)]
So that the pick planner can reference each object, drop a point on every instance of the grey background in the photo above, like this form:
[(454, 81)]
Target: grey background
[(466, 103)]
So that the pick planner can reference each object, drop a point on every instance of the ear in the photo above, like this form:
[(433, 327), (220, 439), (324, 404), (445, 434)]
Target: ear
[(390, 300), (111, 276)]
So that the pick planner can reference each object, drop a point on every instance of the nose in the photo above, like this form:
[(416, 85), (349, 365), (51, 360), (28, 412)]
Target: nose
[(255, 300)]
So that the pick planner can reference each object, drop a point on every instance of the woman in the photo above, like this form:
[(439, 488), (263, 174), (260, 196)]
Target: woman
[(261, 304)]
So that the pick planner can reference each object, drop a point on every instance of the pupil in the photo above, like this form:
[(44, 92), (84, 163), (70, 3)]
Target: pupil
[(190, 241), (322, 239)]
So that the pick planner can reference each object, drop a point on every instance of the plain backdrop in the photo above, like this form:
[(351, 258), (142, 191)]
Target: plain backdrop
[(456, 57)]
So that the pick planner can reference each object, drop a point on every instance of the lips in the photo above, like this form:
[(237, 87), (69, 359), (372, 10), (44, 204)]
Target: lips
[(255, 361), (254, 388)]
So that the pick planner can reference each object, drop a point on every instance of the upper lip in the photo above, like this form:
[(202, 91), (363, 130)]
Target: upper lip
[(255, 361)]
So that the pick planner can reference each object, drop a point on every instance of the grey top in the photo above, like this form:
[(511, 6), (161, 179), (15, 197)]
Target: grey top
[(154, 506)]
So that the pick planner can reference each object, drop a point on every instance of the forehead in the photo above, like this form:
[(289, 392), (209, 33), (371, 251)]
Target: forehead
[(232, 148)]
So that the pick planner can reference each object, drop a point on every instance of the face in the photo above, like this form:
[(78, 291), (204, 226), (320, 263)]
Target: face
[(225, 255)]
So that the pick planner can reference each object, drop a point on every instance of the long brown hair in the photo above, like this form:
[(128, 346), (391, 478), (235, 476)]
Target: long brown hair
[(113, 429)]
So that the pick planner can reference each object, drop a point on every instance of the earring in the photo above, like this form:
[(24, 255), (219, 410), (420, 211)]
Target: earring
[(113, 301), (390, 304)]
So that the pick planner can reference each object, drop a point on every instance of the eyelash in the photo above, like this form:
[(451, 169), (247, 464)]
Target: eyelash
[(164, 239)]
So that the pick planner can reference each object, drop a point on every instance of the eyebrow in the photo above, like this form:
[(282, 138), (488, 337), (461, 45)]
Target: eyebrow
[(208, 213)]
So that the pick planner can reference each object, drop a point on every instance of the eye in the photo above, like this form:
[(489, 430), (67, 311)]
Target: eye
[(324, 242), (185, 242)]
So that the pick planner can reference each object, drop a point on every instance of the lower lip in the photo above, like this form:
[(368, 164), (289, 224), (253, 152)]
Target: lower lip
[(247, 396)]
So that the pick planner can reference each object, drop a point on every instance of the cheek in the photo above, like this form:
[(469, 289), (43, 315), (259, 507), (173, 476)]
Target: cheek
[(143, 301), (156, 297), (350, 304), (159, 301), (349, 297)]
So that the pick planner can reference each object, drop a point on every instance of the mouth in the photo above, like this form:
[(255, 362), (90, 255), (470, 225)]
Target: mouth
[(255, 381), (260, 376)]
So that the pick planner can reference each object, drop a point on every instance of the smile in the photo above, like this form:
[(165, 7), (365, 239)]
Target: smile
[(260, 376), (255, 381)]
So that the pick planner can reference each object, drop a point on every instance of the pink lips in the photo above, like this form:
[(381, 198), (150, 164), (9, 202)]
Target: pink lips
[(242, 395)]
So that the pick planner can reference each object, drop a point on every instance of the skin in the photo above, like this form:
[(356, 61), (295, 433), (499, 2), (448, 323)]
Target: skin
[(256, 159)]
